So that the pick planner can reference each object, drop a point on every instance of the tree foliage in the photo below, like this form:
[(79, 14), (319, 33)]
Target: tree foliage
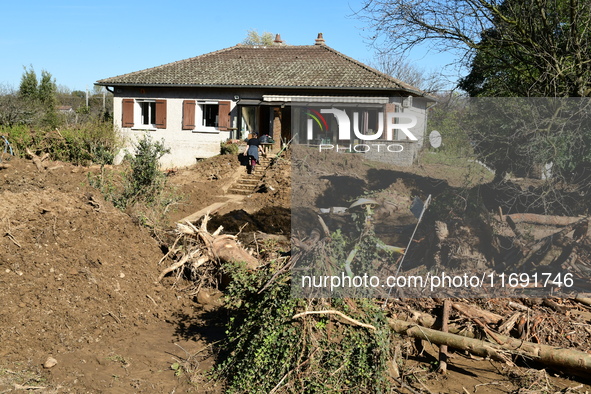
[(512, 48), (28, 85), (541, 44), (311, 354), (254, 38), (43, 90), (535, 48)]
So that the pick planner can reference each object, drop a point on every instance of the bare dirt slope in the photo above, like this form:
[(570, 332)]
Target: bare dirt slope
[(77, 283)]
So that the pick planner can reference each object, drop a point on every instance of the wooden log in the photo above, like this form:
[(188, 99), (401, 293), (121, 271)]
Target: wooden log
[(554, 305), (568, 360), (509, 323), (583, 300), (227, 249), (548, 220), (38, 161), (444, 328), (477, 313)]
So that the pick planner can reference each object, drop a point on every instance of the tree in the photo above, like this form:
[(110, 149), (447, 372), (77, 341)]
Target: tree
[(28, 85), (254, 38), (545, 42), (47, 90), (520, 48), (403, 70), (43, 91)]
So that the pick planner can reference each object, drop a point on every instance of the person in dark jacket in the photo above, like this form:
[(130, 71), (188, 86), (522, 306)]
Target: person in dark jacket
[(252, 150)]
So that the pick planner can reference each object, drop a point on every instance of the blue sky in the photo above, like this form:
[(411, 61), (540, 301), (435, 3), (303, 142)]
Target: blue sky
[(80, 42)]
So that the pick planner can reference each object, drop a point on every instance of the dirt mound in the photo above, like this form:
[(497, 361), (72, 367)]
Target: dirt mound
[(202, 184), (77, 283)]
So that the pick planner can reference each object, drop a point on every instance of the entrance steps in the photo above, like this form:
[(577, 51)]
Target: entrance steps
[(248, 183)]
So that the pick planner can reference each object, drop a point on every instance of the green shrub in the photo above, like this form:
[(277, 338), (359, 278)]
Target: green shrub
[(228, 148), (19, 137), (316, 353), (92, 142), (144, 181)]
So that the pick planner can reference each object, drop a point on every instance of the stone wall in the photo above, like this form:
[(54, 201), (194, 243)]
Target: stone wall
[(400, 153)]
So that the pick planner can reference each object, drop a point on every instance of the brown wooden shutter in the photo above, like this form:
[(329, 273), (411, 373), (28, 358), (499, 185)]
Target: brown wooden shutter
[(127, 113), (189, 114), (224, 115), (160, 114)]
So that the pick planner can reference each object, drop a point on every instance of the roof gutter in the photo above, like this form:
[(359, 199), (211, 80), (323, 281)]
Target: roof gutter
[(342, 88)]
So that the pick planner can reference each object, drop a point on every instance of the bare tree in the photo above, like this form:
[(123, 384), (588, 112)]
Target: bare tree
[(404, 70), (545, 41)]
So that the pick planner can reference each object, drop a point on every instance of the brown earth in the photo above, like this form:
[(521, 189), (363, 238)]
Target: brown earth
[(78, 279), (77, 283)]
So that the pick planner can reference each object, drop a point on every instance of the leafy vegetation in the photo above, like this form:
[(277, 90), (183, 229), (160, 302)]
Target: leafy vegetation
[(228, 148), (315, 353), (31, 118), (84, 144), (141, 181), (254, 38)]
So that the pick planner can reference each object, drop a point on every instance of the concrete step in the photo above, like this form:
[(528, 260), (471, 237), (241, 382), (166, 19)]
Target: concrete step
[(240, 191), (250, 182), (243, 186)]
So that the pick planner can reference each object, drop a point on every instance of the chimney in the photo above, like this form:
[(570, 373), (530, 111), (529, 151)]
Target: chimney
[(320, 40), (278, 40)]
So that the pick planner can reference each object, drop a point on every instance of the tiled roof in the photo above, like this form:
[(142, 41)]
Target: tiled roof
[(276, 66)]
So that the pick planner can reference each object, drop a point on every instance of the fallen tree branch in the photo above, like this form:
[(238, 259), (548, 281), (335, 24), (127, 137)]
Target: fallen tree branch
[(178, 264), (569, 360), (38, 160), (476, 313), (583, 300), (443, 356), (333, 312), (548, 220)]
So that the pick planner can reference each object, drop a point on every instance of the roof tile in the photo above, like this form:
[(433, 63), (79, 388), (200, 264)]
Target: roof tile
[(302, 66)]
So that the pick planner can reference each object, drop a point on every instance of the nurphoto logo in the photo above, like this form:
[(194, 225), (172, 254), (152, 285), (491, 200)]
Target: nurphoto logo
[(371, 138)]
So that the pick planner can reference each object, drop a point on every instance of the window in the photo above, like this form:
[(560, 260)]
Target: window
[(206, 115), (210, 115), (144, 113), (147, 113)]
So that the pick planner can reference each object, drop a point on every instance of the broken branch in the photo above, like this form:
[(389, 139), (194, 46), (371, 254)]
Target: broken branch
[(571, 360), (333, 312)]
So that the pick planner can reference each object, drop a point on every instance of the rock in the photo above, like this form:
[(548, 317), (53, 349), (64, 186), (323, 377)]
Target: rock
[(50, 363)]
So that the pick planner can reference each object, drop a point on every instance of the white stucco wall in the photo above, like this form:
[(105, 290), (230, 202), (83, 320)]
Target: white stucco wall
[(187, 146)]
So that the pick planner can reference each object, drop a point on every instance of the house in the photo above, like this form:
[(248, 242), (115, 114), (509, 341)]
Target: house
[(194, 104)]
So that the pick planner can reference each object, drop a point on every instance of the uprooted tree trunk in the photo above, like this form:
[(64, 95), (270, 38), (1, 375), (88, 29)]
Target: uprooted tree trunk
[(38, 160), (208, 246), (568, 360)]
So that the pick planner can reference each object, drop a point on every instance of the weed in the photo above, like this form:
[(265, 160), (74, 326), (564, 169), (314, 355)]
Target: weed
[(119, 359), (139, 187)]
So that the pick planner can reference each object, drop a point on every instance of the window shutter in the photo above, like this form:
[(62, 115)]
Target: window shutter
[(127, 113), (189, 114), (224, 115), (160, 114)]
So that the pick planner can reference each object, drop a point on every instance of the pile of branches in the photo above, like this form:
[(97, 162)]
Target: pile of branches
[(547, 332), (194, 247)]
